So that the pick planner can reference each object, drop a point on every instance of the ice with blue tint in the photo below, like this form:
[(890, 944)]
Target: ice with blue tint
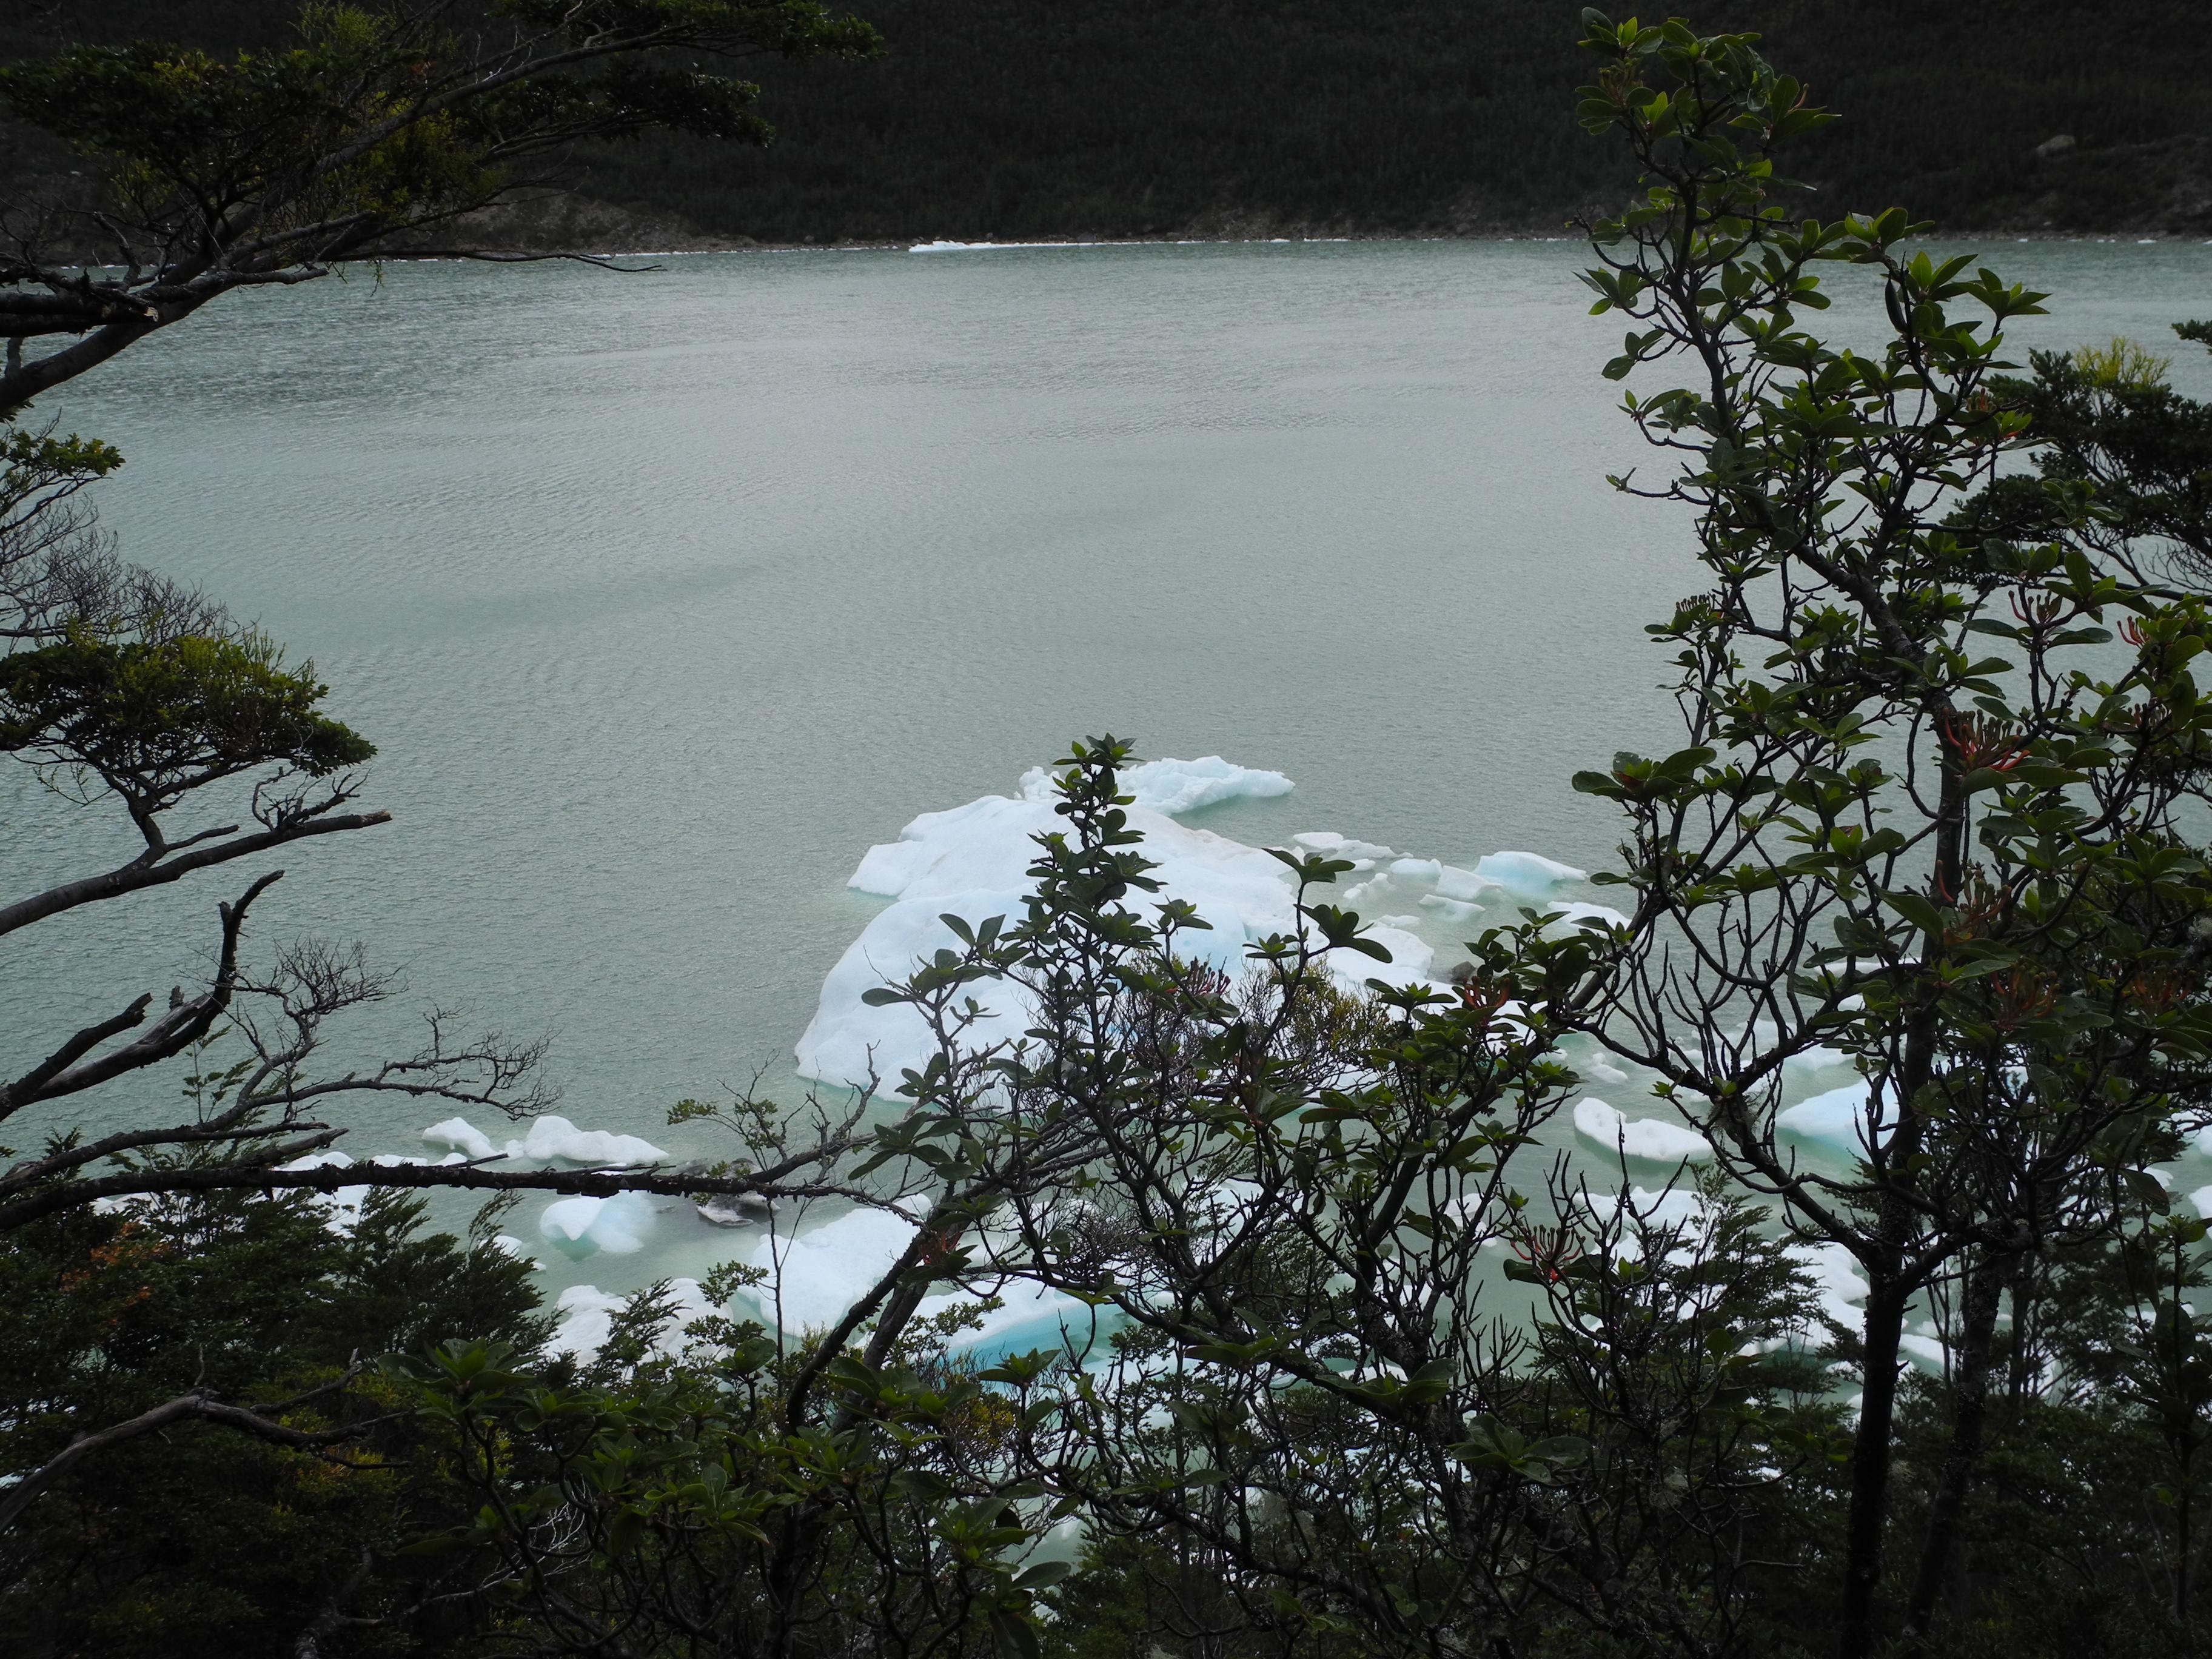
[(815, 1276), (582, 1226), (1837, 1117), (585, 1318), (1530, 875)]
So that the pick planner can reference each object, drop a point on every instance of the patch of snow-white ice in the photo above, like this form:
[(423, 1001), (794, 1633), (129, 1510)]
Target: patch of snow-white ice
[(1650, 1139), (586, 1318), (1528, 875), (1837, 1117), (816, 1276), (973, 862), (551, 1138), (583, 1226)]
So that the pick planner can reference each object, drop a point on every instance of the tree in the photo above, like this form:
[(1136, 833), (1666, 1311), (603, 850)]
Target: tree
[(124, 690), (206, 1460), (120, 687), (385, 124), (1927, 812), (1298, 1202)]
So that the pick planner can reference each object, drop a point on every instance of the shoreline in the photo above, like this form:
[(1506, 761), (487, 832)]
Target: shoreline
[(950, 246)]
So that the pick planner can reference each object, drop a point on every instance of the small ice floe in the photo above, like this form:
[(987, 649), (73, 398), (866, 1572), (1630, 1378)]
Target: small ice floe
[(1176, 787), (1574, 913), (1837, 1282), (1650, 1139), (1683, 1213), (586, 1318), (1328, 841), (973, 862), (1921, 1347), (816, 1277), (342, 1205), (1529, 875), (1837, 1117), (584, 1225), (735, 1209), (551, 1138)]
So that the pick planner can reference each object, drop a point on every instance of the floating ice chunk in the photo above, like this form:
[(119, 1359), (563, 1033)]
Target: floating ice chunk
[(814, 1277), (1597, 1067), (1814, 1059), (1451, 909), (1838, 1117), (973, 861), (342, 1206), (1174, 787), (1342, 847), (1411, 958), (589, 1318), (552, 1137), (1527, 873), (1675, 1208), (463, 1136), (1650, 1139), (508, 1244), (580, 1227), (1573, 914), (1030, 1313), (1837, 1282), (1417, 869), (1921, 1347), (734, 1209), (1453, 883), (330, 1160), (2201, 1198)]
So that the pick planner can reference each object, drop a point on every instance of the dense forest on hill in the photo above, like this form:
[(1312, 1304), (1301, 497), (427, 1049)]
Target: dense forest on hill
[(1016, 118)]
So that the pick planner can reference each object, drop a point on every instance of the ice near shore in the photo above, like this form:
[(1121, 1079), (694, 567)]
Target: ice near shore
[(973, 861)]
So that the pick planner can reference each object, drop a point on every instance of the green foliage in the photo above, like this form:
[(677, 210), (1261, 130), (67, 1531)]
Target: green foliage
[(370, 116), (1377, 117), (1926, 813), (200, 1540), (155, 719), (712, 1501)]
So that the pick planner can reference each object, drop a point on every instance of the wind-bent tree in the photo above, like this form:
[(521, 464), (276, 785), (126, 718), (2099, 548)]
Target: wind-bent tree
[(1929, 810), (386, 123)]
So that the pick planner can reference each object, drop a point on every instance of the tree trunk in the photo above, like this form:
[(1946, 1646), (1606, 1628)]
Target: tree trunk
[(1970, 1410), (1870, 1460), (2020, 1376)]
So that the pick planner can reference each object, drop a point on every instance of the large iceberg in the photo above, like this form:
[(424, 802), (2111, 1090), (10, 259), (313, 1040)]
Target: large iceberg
[(1837, 1117), (815, 1276), (973, 862)]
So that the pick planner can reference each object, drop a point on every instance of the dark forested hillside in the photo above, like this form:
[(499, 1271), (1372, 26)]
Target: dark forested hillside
[(1022, 118)]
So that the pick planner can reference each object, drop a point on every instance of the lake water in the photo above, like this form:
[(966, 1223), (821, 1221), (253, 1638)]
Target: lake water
[(666, 595)]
